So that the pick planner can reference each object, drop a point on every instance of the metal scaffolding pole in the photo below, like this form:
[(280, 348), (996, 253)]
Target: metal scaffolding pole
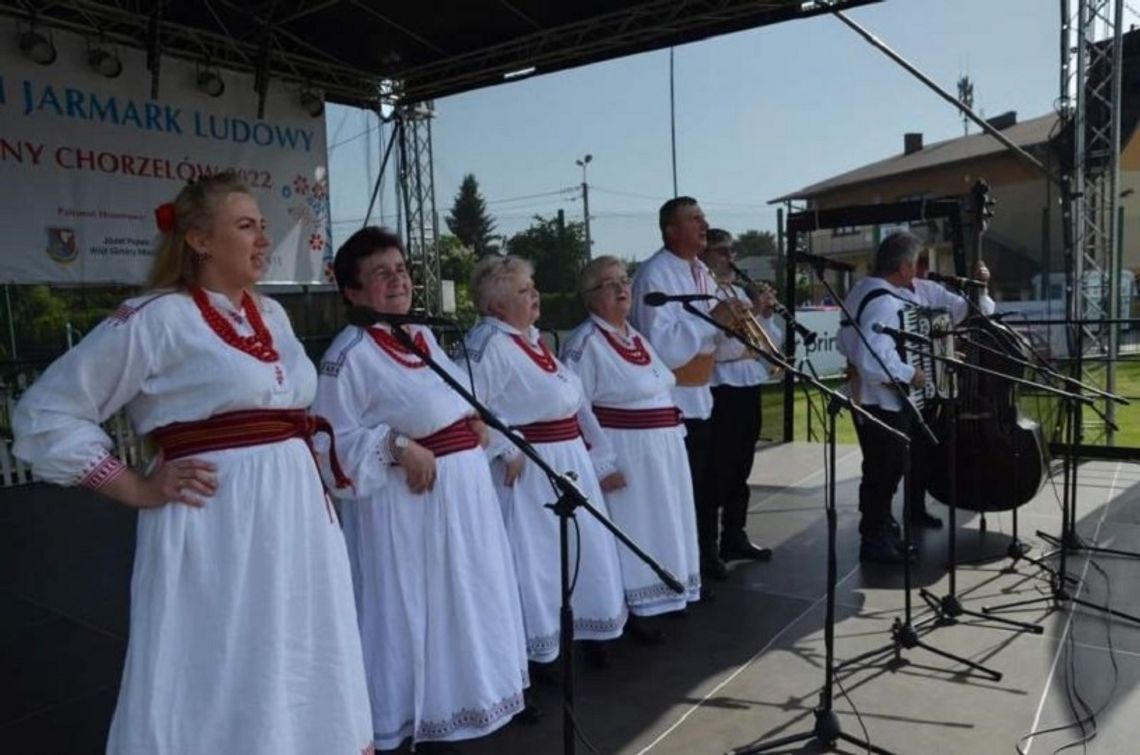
[(417, 187), (1090, 111)]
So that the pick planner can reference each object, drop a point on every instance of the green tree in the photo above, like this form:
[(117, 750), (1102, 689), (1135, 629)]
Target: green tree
[(41, 317), (756, 244), (468, 218), (456, 260), (556, 250)]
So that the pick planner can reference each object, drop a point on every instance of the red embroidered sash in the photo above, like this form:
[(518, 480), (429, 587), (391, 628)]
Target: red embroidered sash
[(551, 432), (637, 419), (253, 427), (452, 439)]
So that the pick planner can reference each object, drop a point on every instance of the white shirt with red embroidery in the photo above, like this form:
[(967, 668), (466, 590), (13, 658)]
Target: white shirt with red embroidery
[(514, 387), (608, 378), (677, 335), (157, 357)]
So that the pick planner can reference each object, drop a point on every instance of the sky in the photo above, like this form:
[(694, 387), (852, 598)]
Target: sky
[(759, 113)]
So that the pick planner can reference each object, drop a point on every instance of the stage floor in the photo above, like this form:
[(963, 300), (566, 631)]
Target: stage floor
[(743, 668)]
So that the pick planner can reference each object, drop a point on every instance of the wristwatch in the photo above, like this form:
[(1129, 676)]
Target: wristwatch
[(398, 444)]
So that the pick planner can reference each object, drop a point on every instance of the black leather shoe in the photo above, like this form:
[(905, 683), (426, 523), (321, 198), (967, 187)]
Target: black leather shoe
[(714, 568), (925, 519), (744, 551), (879, 551), (643, 632)]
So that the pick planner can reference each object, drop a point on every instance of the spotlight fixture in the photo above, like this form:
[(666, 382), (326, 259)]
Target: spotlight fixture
[(105, 62), (37, 47), (313, 102), (210, 82)]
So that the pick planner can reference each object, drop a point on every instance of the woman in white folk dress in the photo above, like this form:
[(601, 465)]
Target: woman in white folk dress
[(629, 387), (435, 585), (518, 379), (243, 632)]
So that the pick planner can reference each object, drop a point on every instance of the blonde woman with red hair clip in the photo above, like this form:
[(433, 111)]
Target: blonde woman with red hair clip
[(243, 633)]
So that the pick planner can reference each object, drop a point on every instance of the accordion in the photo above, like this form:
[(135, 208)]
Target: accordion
[(934, 324)]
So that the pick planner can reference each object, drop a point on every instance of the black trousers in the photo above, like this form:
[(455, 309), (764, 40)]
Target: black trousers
[(698, 446), (923, 457), (884, 462), (735, 430)]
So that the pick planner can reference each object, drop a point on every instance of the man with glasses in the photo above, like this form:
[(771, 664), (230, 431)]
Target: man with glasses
[(736, 421)]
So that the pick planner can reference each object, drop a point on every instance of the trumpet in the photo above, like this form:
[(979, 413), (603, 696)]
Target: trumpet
[(758, 338), (754, 289)]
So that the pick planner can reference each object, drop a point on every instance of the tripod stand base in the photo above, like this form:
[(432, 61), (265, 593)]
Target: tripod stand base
[(949, 608), (904, 636), (826, 732), (1059, 598)]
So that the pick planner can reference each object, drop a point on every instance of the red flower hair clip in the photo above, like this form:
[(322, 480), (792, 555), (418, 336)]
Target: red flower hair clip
[(164, 217)]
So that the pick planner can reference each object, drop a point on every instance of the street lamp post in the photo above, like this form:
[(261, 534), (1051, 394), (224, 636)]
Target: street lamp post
[(586, 203)]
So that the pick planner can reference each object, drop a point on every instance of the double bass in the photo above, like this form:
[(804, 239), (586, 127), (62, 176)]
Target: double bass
[(999, 454)]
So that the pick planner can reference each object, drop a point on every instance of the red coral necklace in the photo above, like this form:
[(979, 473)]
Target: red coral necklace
[(259, 345), (393, 348), (637, 355), (540, 356)]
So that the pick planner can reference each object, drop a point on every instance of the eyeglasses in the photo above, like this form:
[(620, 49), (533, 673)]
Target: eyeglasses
[(615, 284)]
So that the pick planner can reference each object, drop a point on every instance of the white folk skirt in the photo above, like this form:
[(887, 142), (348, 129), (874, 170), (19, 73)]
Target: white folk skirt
[(243, 634), (656, 511), (438, 603), (598, 601)]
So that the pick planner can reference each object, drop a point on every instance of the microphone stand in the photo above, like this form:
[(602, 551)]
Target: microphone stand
[(949, 607), (570, 497), (1060, 596), (904, 633), (1018, 549), (826, 729)]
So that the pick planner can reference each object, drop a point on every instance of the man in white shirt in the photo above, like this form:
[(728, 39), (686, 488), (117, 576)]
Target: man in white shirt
[(736, 383), (879, 298), (686, 344)]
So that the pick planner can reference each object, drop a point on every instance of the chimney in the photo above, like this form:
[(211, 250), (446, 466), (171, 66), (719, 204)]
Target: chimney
[(912, 143), (1003, 121)]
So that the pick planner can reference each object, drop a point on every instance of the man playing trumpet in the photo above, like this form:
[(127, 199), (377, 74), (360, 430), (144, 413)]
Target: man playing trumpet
[(736, 382)]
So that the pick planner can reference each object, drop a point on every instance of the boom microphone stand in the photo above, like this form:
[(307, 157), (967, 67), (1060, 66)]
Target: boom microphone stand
[(826, 730), (904, 633), (948, 608), (570, 498), (1060, 597)]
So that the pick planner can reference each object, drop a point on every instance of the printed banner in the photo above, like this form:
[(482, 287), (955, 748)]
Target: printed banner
[(86, 160)]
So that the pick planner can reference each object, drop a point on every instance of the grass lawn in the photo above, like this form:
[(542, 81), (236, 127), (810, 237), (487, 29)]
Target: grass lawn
[(1041, 409)]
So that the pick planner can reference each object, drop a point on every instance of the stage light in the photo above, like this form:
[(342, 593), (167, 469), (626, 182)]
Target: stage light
[(518, 74), (37, 47), (105, 62), (313, 102), (210, 82)]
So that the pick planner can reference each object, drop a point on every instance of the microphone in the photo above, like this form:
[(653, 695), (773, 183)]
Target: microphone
[(365, 316), (657, 298), (955, 281), (901, 335), (824, 262), (807, 334)]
